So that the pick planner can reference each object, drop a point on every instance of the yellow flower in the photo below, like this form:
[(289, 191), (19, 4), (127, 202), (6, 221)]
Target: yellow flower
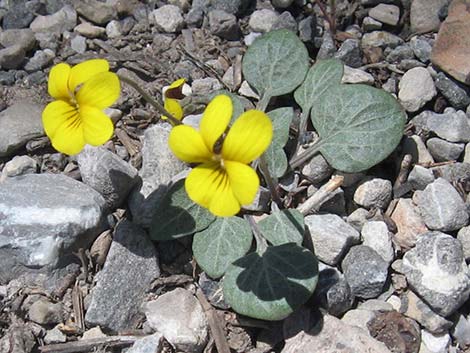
[(76, 117), (223, 181), (171, 98)]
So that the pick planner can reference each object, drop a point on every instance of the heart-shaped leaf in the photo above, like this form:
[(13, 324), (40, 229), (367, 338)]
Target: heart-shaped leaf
[(177, 215), (276, 159), (272, 285), (281, 119), (276, 63), (285, 226), (321, 76), (224, 241), (359, 126)]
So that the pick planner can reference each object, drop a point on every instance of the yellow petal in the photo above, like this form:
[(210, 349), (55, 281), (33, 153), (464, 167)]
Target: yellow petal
[(174, 107), (209, 186), (248, 138), (178, 83), (57, 84), (187, 144), (244, 181), (215, 119), (63, 126), (97, 126), (84, 71), (100, 91)]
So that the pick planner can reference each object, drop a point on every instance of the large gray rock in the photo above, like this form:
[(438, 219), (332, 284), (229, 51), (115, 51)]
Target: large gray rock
[(453, 126), (12, 57), (180, 318), (388, 14), (43, 219), (22, 37), (441, 206), (96, 11), (108, 174), (456, 95), (331, 237), (464, 237), (130, 267), (436, 270), (380, 39), (148, 344), (18, 339), (374, 193), (19, 123), (424, 15), (416, 88), (168, 18), (443, 150), (224, 25), (262, 20), (63, 20)]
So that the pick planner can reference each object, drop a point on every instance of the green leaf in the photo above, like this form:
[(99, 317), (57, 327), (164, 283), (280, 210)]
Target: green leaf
[(276, 63), (281, 227), (321, 76), (178, 216), (276, 159), (224, 241), (281, 119), (359, 126), (272, 285)]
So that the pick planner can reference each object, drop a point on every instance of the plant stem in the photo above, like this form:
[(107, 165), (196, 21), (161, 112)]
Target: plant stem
[(272, 182), (264, 101), (150, 99), (261, 243), (300, 159)]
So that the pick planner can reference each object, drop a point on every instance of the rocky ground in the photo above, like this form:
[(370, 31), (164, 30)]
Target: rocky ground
[(78, 272)]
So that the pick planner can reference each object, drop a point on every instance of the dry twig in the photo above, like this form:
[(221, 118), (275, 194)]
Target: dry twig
[(322, 195)]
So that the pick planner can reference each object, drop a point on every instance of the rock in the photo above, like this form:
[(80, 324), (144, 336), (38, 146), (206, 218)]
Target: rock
[(331, 237), (88, 30), (466, 154), (43, 219), (397, 332), (441, 206), (180, 318), (235, 7), (19, 165), (94, 332), (113, 29), (443, 151), (282, 3), (421, 48), (19, 15), (156, 173), (369, 24), (431, 343), (420, 177), (262, 20), (205, 86), (317, 170), (213, 291), (18, 339), (453, 126), (451, 48), (44, 312), (424, 15), (435, 269), (413, 307), (40, 60), (358, 218), (374, 193), (388, 14), (168, 18), (118, 294), (380, 39), (325, 338), (416, 88), (327, 48), (453, 173), (78, 44), (456, 95), (285, 21), (22, 37), (18, 124), (359, 318), (351, 75), (365, 271), (194, 17), (96, 11), (461, 331), (55, 336), (224, 25), (59, 22), (245, 90), (307, 29), (12, 57), (400, 53), (377, 236), (262, 200), (108, 174), (464, 237), (415, 146), (350, 53), (149, 344)]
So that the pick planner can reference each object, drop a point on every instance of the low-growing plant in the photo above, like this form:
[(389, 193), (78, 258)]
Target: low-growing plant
[(358, 126)]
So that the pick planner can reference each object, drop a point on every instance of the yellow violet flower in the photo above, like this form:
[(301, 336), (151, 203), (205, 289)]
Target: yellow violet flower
[(223, 181), (171, 98), (76, 117)]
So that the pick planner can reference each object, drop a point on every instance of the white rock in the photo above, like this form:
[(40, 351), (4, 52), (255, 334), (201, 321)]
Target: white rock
[(374, 193), (78, 43), (377, 236), (262, 20), (19, 165), (352, 75), (416, 88), (168, 18), (113, 29), (431, 343), (388, 14), (246, 90)]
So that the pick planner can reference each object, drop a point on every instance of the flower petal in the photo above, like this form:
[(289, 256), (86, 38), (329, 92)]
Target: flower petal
[(248, 138), (100, 91), (57, 84), (215, 119), (97, 126), (208, 185), (187, 144), (63, 126), (243, 180), (84, 71), (174, 107), (175, 90)]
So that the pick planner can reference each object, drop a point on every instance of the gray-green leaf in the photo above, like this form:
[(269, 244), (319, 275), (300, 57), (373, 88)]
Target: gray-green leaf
[(276, 159), (271, 286), (276, 63), (359, 126), (178, 216), (281, 119), (321, 76), (224, 241), (281, 227)]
